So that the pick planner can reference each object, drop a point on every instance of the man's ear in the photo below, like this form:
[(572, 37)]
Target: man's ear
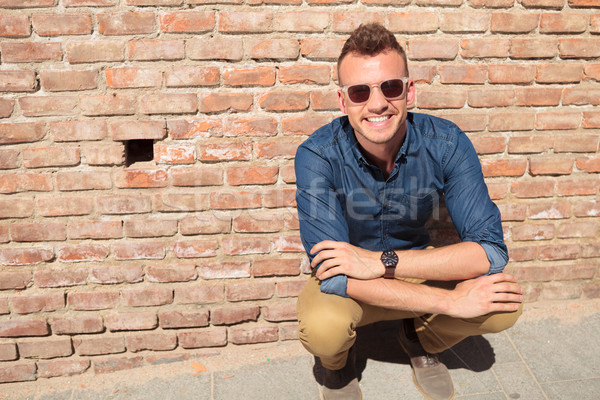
[(410, 93), (341, 101)]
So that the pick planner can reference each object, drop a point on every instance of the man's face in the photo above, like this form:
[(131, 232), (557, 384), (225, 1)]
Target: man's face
[(379, 120)]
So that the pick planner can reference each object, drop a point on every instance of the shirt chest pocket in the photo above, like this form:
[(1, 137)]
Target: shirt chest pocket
[(411, 210)]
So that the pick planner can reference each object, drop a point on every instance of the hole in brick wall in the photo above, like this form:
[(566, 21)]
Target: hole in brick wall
[(138, 150)]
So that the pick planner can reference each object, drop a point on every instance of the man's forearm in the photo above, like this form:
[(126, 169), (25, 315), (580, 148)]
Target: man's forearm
[(454, 262), (399, 295)]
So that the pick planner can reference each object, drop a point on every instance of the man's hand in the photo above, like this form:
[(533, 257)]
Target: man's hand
[(344, 258), (486, 294)]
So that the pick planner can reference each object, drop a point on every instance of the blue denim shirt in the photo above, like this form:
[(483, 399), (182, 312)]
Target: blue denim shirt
[(341, 196)]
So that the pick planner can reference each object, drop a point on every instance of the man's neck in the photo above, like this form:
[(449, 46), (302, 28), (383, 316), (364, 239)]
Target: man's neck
[(382, 155)]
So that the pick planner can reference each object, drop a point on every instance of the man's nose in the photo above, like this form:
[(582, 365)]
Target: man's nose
[(377, 102)]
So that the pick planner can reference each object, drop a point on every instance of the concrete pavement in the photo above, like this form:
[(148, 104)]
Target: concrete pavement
[(549, 354)]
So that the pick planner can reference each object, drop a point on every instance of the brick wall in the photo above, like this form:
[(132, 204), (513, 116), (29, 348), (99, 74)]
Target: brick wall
[(114, 256)]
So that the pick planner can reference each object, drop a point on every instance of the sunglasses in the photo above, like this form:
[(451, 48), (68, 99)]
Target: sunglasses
[(393, 89)]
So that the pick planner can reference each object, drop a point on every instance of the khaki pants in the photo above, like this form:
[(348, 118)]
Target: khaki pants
[(327, 323)]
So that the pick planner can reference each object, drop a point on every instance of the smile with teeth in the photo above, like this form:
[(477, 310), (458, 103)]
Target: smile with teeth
[(378, 119)]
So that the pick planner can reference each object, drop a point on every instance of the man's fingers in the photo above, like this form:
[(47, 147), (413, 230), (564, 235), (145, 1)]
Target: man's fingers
[(504, 307), (508, 288), (325, 244), (503, 277), (507, 298)]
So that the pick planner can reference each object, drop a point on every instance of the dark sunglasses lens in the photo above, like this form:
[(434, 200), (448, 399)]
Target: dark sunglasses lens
[(359, 93), (392, 88)]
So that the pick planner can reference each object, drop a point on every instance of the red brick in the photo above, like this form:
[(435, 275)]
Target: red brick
[(324, 100), (533, 48), (175, 202), (60, 277), (82, 252), (151, 341), (130, 321), (267, 49), (112, 274), (559, 252), (215, 48), (254, 334), (73, 325), (17, 81), (559, 73), (483, 48), (221, 102), (50, 157), (16, 207), (117, 364), (61, 205), (171, 273), (111, 104), (558, 4), (25, 256), (441, 98), (279, 312), (513, 211), (92, 300), (290, 288), (284, 101), (592, 72), (491, 98), (461, 22), (245, 21), (225, 151), (132, 77), (579, 48), (511, 73), (158, 2), (288, 243), (130, 130), (14, 26), (150, 228), (76, 131), (347, 21), (187, 21), (46, 348), (233, 315), (301, 21), (139, 250), (199, 294), (549, 210), (212, 337), (589, 208), (191, 128), (538, 96), (8, 352), (428, 49), (6, 107), (186, 76), (563, 23), (245, 245), (18, 373), (285, 149), (25, 132), (23, 327), (468, 74), (249, 291), (91, 3), (557, 120), (530, 144), (253, 126), (572, 272), (287, 174), (413, 22), (576, 143), (489, 144), (258, 222), (51, 369), (522, 253), (168, 103), (94, 51), (40, 106), (303, 125), (24, 182), (550, 166), (257, 175), (195, 248), (578, 186), (326, 49), (14, 279), (153, 296), (84, 180), (27, 304), (95, 229), (154, 50), (249, 76), (533, 232), (224, 270), (580, 229), (122, 204), (30, 52), (170, 319), (38, 232), (205, 176), (511, 22), (141, 178), (278, 198), (205, 224), (275, 267), (589, 164), (532, 188), (590, 250), (578, 96), (62, 24), (125, 23), (446, 3)]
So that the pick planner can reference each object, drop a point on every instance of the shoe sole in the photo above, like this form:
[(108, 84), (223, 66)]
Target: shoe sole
[(421, 390)]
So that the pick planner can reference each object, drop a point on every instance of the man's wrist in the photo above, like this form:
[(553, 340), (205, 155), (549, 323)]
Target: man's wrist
[(389, 259)]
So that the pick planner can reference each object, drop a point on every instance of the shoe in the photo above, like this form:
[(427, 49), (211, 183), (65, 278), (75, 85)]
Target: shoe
[(430, 376), (339, 384)]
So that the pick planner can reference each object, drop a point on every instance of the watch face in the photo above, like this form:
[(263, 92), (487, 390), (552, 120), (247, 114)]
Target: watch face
[(389, 258)]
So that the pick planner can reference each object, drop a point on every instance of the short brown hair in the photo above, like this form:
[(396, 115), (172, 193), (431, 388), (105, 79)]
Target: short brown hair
[(370, 40)]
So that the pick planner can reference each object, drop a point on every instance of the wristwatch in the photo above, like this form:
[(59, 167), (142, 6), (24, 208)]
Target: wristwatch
[(389, 258)]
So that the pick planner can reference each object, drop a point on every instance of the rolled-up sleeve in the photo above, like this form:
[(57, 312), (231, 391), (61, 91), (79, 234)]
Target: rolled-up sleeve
[(475, 216), (319, 209)]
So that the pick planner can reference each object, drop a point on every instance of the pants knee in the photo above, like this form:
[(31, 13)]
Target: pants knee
[(326, 335), (499, 322)]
